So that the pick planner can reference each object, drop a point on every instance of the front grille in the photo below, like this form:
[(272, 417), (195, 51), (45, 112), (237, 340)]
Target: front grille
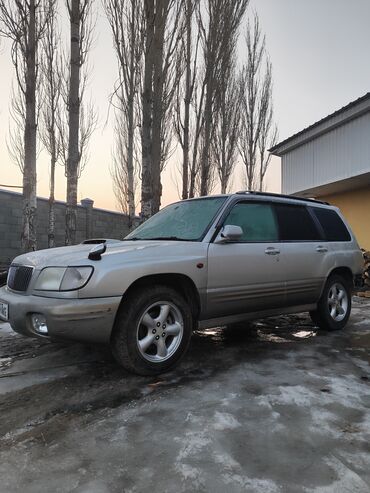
[(19, 277)]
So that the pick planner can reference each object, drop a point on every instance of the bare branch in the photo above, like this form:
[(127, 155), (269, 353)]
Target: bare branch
[(81, 118), (163, 32), (23, 23), (257, 129), (126, 20), (219, 37)]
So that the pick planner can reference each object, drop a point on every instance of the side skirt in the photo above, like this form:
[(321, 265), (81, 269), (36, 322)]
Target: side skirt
[(242, 317)]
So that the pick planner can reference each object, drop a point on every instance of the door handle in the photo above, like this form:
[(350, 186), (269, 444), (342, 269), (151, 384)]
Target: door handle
[(272, 251), (321, 249)]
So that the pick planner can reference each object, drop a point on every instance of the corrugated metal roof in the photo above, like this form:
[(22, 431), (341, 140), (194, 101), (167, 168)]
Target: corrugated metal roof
[(320, 122)]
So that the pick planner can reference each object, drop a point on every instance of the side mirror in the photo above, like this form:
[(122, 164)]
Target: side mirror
[(229, 233)]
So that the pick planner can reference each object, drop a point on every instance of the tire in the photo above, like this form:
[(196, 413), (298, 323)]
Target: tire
[(334, 307), (141, 341)]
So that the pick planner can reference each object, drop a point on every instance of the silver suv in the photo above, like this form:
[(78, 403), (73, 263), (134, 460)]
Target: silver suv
[(207, 261)]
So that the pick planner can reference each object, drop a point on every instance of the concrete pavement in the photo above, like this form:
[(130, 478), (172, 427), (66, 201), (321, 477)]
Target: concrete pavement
[(271, 406)]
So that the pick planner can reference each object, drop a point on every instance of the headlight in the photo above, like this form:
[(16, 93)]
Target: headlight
[(75, 278), (50, 278), (63, 278)]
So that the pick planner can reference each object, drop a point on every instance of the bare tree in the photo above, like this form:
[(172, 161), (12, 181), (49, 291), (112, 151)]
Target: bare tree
[(257, 130), (225, 140), (17, 110), (124, 186), (50, 112), (269, 133), (163, 31), (167, 34), (23, 22), (224, 145), (211, 36), (195, 164), (81, 119), (147, 96), (218, 35), (160, 20), (185, 90), (126, 20), (119, 171)]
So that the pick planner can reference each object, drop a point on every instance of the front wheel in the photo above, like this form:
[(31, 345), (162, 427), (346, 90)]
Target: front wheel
[(152, 331), (334, 307)]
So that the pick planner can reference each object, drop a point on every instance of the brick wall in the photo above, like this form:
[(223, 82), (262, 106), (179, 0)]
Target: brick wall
[(91, 223)]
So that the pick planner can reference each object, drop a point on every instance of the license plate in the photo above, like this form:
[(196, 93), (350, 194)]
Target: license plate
[(4, 311)]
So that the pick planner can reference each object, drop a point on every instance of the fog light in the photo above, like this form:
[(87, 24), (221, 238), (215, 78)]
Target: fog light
[(39, 323)]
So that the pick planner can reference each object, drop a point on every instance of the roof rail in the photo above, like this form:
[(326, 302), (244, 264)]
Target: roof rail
[(281, 195)]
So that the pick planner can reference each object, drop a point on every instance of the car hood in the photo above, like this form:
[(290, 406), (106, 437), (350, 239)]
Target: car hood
[(117, 251)]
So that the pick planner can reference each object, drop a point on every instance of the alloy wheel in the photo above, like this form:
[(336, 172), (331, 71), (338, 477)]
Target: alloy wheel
[(159, 331), (337, 302)]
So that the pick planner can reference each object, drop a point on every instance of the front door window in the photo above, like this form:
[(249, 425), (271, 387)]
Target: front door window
[(256, 220)]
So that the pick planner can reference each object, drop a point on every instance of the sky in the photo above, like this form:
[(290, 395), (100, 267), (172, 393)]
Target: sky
[(319, 51)]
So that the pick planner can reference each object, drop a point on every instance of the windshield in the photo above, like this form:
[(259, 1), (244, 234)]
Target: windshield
[(187, 221)]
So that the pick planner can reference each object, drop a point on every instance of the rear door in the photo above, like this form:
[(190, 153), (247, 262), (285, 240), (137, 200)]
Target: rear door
[(247, 275), (306, 254), (344, 249)]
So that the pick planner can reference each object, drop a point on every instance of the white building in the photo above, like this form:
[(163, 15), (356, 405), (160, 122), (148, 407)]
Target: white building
[(330, 160)]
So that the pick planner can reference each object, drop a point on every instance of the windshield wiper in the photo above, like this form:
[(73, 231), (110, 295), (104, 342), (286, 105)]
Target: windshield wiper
[(168, 238), (174, 238)]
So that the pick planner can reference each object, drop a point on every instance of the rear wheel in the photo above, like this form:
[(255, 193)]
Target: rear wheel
[(334, 307), (152, 331)]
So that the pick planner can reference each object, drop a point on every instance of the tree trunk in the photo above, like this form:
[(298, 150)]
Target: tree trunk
[(131, 125), (147, 95), (130, 161), (224, 176), (260, 186), (158, 44), (29, 174), (187, 101), (73, 124), (205, 172), (51, 232)]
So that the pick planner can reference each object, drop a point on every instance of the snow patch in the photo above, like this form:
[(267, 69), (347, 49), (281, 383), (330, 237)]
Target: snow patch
[(256, 485), (187, 472), (95, 486), (226, 461), (193, 443), (6, 329), (348, 480), (294, 395), (225, 421)]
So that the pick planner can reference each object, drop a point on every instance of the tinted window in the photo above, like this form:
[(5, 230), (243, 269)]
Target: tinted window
[(256, 220), (187, 220), (296, 223), (333, 226)]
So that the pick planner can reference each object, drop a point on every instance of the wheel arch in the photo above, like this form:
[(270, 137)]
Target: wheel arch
[(344, 272), (179, 282)]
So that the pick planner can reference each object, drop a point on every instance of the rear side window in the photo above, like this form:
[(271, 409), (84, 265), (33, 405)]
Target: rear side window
[(332, 224), (256, 220), (296, 223)]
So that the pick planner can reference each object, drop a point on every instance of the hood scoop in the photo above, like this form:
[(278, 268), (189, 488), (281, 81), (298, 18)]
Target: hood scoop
[(94, 241)]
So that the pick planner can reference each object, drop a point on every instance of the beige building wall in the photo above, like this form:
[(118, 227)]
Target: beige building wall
[(355, 206)]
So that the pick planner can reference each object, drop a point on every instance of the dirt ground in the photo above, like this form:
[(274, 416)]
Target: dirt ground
[(270, 406)]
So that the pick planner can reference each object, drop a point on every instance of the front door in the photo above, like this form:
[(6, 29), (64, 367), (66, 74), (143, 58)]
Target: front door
[(248, 275)]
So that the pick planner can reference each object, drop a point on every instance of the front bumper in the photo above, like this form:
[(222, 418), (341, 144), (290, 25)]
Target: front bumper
[(86, 320)]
